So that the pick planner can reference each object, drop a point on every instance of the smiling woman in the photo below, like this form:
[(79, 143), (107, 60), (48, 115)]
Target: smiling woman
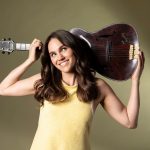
[(69, 92)]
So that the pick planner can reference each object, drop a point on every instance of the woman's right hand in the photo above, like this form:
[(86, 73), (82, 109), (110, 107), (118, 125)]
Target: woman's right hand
[(35, 50)]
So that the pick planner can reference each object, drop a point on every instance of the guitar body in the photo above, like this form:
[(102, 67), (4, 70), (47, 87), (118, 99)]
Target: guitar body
[(114, 48)]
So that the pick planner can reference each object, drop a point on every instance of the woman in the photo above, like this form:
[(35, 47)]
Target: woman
[(69, 92)]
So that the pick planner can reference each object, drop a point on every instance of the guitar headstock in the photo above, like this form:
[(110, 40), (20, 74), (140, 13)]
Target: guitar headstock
[(7, 45)]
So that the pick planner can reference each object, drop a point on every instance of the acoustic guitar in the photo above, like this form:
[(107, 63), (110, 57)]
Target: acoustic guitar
[(115, 48)]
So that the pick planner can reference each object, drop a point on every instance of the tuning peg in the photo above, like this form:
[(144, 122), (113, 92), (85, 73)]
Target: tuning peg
[(9, 39), (8, 53), (3, 39), (3, 52)]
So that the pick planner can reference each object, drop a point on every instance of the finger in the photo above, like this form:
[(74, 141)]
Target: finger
[(143, 59), (34, 41), (40, 45), (37, 43)]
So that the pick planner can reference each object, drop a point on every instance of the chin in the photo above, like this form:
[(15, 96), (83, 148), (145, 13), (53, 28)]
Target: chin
[(67, 71)]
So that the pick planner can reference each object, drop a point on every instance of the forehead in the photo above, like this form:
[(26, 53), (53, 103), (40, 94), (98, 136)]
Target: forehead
[(54, 44)]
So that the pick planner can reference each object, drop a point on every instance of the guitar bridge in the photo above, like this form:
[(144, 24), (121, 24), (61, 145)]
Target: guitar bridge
[(133, 52)]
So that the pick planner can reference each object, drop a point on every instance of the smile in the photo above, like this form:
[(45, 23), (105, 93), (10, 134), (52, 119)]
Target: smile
[(64, 63)]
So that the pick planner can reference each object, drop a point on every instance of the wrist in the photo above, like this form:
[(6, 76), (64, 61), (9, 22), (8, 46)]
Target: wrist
[(135, 81), (29, 61)]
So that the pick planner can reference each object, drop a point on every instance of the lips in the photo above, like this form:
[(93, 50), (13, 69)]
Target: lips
[(64, 63)]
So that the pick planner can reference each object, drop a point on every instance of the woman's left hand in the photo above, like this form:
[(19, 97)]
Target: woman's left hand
[(140, 66)]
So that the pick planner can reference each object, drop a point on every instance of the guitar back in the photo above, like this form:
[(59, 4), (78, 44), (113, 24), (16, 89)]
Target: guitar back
[(114, 48)]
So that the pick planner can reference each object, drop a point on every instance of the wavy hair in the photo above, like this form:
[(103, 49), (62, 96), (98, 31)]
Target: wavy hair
[(50, 86)]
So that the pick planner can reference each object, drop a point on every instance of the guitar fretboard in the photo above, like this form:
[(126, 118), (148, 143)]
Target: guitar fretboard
[(22, 46)]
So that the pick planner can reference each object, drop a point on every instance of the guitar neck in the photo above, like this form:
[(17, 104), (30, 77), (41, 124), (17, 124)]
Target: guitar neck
[(22, 46)]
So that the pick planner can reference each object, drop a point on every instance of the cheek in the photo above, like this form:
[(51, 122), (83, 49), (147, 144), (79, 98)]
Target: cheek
[(53, 61), (74, 60)]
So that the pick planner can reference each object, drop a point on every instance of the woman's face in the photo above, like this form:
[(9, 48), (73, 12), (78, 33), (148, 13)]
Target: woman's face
[(61, 56)]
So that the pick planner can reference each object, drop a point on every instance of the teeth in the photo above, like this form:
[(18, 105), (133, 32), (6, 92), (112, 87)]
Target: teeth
[(63, 63)]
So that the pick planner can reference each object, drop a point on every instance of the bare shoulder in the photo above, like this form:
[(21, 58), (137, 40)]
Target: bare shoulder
[(103, 87), (101, 83), (106, 91)]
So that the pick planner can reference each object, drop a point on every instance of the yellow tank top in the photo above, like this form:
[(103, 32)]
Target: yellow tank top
[(64, 125)]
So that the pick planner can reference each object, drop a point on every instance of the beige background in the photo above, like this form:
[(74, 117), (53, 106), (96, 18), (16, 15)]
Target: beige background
[(22, 20)]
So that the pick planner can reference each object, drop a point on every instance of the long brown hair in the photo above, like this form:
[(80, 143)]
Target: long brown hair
[(50, 87)]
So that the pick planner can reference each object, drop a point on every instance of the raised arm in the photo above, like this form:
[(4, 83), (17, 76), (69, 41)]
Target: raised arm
[(12, 85), (125, 115)]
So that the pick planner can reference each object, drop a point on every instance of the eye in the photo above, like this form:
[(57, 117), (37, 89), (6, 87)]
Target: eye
[(52, 55), (64, 49)]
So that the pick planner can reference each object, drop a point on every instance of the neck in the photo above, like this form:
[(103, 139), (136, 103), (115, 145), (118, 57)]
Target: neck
[(69, 79)]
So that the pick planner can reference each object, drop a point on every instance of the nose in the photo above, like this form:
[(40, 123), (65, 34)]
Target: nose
[(60, 56)]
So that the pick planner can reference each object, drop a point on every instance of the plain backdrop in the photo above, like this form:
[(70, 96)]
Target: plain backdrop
[(23, 20)]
